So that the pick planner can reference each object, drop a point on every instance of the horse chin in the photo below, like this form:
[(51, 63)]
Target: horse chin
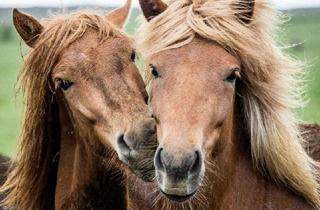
[(178, 190), (178, 198)]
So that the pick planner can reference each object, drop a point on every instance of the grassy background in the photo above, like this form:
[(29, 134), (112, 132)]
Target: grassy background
[(303, 27)]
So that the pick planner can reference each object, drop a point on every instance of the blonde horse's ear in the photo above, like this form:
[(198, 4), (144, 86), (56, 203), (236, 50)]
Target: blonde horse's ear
[(119, 16), (152, 8), (245, 9), (27, 26)]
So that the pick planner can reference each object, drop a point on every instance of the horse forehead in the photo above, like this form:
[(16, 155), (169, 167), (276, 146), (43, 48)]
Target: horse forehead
[(90, 47), (93, 57), (198, 53)]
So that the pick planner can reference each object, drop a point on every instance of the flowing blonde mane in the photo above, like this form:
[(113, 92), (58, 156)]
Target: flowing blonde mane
[(271, 80), (27, 186)]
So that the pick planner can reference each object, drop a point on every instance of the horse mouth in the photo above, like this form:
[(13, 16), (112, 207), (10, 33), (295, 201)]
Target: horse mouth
[(178, 198)]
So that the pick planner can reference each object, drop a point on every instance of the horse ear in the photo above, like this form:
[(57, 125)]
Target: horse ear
[(27, 26), (119, 16), (152, 8), (245, 10)]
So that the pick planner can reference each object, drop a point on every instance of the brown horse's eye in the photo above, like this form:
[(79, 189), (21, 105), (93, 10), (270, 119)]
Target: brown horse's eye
[(154, 71), (133, 56), (65, 84)]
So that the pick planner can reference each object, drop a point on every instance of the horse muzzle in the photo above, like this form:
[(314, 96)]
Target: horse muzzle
[(178, 180), (136, 148)]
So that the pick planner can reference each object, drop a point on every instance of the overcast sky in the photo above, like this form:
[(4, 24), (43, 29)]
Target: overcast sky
[(282, 4)]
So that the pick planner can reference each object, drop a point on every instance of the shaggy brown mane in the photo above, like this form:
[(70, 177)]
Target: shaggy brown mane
[(270, 80), (31, 181)]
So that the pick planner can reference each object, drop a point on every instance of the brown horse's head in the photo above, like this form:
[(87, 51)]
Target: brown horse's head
[(192, 97), (96, 82)]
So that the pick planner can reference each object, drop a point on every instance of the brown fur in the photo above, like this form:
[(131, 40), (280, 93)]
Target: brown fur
[(311, 136), (4, 166)]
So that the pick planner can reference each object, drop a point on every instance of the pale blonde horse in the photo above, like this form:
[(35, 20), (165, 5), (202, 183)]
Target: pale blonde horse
[(223, 94)]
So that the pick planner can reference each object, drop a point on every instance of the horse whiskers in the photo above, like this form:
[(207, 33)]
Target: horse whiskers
[(212, 168), (157, 198)]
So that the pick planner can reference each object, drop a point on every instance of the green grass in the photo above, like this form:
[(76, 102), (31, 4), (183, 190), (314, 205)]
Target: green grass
[(303, 27), (10, 110)]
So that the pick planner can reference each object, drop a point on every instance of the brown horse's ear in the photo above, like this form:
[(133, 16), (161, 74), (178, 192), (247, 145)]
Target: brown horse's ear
[(27, 26), (245, 10), (152, 8), (119, 16)]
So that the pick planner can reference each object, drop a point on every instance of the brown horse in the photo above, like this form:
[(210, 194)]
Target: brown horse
[(222, 93), (85, 105)]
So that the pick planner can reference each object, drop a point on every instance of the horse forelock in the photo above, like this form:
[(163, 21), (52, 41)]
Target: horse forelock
[(271, 80), (25, 187)]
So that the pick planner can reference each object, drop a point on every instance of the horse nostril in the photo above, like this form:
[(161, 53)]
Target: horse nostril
[(157, 160), (196, 166), (123, 146)]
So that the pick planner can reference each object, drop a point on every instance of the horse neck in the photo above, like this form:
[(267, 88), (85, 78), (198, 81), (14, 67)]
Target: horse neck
[(235, 178), (140, 195), (232, 166), (82, 179)]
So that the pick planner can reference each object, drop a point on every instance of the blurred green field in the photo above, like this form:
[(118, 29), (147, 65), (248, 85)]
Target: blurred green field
[(303, 27)]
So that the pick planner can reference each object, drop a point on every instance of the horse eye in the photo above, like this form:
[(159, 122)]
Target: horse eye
[(233, 76), (133, 56), (65, 84), (154, 71)]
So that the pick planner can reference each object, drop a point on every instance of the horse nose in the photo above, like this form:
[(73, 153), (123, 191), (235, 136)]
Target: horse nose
[(139, 137), (189, 164)]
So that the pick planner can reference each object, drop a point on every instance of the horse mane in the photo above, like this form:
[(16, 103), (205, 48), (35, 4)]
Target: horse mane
[(268, 91), (30, 182)]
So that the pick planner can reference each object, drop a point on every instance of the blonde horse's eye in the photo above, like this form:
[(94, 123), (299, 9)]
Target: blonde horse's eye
[(233, 76)]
